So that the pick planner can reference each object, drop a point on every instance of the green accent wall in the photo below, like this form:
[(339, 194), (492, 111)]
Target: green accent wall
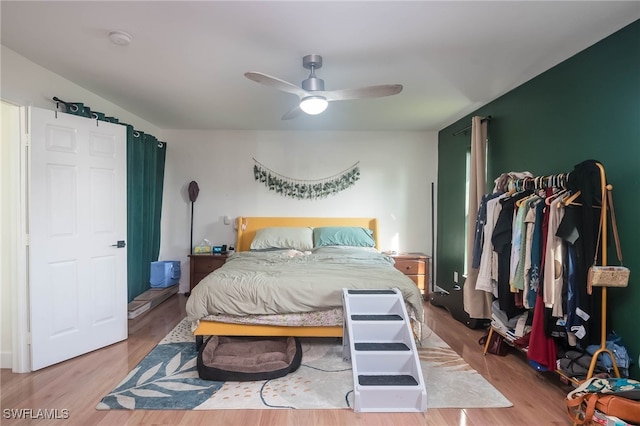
[(585, 108)]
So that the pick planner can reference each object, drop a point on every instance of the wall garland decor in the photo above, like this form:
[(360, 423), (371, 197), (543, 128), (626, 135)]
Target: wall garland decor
[(306, 189)]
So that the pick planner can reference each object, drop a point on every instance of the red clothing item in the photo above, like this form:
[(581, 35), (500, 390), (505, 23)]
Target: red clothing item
[(542, 349)]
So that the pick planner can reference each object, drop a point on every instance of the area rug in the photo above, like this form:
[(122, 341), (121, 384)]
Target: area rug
[(166, 379)]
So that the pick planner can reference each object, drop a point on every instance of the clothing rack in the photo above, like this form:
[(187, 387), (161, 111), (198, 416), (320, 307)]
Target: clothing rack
[(560, 181), (604, 187), (532, 183)]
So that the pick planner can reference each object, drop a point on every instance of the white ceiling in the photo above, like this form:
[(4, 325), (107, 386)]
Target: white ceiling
[(184, 68)]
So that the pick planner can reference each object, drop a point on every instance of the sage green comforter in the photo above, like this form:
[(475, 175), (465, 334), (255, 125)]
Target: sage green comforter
[(281, 282)]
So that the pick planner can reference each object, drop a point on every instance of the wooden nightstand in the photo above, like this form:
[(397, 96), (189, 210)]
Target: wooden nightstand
[(416, 267), (202, 265)]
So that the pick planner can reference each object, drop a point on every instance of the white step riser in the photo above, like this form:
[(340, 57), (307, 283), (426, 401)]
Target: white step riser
[(375, 304), (387, 365), (379, 332)]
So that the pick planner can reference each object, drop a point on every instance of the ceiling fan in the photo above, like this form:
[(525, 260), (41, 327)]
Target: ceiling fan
[(313, 98)]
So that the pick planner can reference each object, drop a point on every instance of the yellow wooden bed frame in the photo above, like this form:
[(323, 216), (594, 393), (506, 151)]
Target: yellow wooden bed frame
[(247, 227)]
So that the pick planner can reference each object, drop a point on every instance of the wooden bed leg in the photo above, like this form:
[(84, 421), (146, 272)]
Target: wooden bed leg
[(199, 341)]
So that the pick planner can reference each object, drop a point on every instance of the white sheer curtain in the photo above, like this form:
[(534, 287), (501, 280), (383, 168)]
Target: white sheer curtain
[(477, 303)]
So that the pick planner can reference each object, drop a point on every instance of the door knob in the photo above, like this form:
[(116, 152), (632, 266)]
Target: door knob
[(119, 244)]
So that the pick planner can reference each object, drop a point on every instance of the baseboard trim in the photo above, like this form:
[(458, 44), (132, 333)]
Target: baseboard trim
[(6, 359)]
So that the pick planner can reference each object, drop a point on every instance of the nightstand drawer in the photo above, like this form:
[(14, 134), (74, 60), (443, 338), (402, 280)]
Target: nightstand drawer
[(410, 266), (202, 265), (207, 265), (416, 267), (418, 280)]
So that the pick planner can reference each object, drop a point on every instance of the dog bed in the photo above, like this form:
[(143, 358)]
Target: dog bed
[(225, 358)]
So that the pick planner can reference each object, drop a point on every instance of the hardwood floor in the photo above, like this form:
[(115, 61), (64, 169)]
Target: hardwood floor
[(79, 384)]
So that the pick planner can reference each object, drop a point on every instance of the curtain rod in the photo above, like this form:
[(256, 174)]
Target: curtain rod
[(456, 133)]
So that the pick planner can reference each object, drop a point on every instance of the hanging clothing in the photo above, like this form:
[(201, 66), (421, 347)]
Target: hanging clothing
[(536, 255), (519, 246), (481, 221), (585, 178), (582, 316), (542, 349), (501, 239), (488, 270), (553, 265), (575, 323), (580, 224), (530, 223)]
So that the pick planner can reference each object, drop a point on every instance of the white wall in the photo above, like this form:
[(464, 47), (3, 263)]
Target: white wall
[(25, 83), (397, 169)]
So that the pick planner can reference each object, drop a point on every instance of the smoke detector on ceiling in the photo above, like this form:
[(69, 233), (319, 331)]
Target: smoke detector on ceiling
[(120, 38)]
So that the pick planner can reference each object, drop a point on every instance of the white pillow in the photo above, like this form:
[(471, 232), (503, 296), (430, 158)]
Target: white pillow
[(297, 238)]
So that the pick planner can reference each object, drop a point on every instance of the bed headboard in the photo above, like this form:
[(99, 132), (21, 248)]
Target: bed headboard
[(247, 226)]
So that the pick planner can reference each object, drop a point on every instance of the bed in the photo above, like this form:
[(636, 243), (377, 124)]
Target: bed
[(294, 289)]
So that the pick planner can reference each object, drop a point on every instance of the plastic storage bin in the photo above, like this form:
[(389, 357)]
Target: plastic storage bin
[(164, 273)]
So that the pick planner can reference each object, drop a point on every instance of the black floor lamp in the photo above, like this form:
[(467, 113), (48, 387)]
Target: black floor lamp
[(194, 190)]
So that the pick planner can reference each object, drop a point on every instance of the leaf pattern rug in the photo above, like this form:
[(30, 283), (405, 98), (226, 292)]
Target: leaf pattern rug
[(167, 379)]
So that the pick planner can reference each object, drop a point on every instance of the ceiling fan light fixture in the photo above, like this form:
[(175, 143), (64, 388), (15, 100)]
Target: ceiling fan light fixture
[(313, 98), (313, 105)]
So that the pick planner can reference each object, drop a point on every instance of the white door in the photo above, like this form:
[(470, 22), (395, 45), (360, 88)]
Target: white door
[(77, 215)]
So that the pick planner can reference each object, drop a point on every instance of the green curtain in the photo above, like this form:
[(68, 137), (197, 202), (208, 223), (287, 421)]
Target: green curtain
[(145, 180)]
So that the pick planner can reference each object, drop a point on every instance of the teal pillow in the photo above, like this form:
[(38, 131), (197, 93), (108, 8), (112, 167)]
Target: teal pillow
[(343, 236)]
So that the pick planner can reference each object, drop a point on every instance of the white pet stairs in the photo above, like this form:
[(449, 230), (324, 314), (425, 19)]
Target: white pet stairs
[(378, 340)]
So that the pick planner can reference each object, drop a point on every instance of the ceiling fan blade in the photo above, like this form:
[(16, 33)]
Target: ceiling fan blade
[(276, 83), (362, 93), (292, 113)]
